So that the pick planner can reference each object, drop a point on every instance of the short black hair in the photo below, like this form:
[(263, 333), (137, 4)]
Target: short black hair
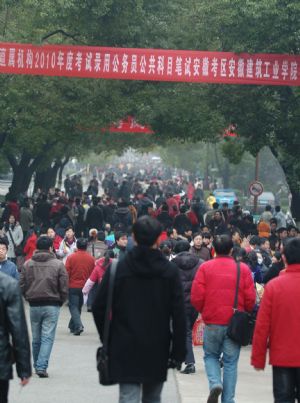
[(44, 242), (263, 240), (223, 244), (197, 234), (291, 251), (119, 234), (182, 246), (254, 240), (146, 230), (82, 243), (4, 241)]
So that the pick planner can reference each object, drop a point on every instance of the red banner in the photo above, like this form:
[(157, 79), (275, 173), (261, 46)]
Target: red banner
[(150, 64), (128, 125)]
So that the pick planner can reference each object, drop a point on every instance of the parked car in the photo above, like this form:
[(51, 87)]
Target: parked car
[(225, 196), (262, 200)]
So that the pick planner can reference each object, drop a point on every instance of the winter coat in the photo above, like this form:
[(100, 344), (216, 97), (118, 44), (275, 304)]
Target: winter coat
[(122, 215), (213, 290), (66, 249), (13, 325), (30, 246), (94, 218), (97, 249), (79, 265), (148, 317), (9, 268), (188, 265), (278, 322), (26, 218), (44, 279), (202, 253), (17, 234)]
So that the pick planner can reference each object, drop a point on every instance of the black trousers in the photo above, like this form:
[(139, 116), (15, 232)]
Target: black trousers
[(286, 384), (4, 391)]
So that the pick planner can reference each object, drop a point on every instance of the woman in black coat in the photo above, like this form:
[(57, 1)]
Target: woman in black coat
[(188, 264), (147, 328)]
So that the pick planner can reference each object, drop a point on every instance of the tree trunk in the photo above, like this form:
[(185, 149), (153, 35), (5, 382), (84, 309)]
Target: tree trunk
[(22, 176), (295, 205), (60, 172), (46, 179), (226, 174)]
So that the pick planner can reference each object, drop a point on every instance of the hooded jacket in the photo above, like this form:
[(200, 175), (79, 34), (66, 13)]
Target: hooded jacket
[(13, 324), (44, 279), (147, 314)]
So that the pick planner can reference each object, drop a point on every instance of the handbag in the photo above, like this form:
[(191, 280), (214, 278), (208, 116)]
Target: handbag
[(18, 249), (102, 352), (241, 325)]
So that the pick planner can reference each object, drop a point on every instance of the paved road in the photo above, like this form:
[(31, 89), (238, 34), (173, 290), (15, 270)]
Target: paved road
[(73, 378), (72, 373)]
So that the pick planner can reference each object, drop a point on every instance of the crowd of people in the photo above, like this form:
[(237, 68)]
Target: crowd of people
[(60, 245)]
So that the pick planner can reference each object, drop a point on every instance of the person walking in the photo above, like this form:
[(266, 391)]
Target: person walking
[(188, 264), (14, 234), (277, 328), (212, 295), (44, 284), (147, 330), (79, 266), (13, 329)]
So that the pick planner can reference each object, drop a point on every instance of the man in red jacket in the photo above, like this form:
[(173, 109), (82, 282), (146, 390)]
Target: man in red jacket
[(79, 265), (213, 292), (278, 327)]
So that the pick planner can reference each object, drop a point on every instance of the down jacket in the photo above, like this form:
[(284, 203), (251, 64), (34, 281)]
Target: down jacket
[(188, 266), (278, 322), (13, 324), (213, 290)]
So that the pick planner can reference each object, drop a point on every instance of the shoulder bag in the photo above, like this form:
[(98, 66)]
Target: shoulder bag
[(241, 325), (18, 249), (102, 352)]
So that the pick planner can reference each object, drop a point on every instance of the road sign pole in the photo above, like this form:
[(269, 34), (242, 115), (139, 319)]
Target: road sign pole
[(256, 179)]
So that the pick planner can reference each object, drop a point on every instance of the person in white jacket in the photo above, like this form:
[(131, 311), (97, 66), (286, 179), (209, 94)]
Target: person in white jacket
[(67, 245), (14, 233)]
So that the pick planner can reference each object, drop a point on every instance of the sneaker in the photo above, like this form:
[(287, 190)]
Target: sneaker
[(42, 373), (189, 369), (214, 394)]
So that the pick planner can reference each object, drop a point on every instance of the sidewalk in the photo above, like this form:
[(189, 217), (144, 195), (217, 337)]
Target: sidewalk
[(73, 376), (252, 386)]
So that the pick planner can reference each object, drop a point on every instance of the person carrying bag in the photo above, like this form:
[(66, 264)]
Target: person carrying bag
[(241, 325)]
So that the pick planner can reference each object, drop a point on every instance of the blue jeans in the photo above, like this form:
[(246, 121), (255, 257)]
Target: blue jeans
[(43, 326), (131, 392), (216, 342), (75, 305)]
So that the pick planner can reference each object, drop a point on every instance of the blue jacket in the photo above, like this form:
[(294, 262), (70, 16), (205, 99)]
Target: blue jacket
[(9, 268)]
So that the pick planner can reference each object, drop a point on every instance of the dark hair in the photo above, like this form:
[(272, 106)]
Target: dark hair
[(182, 246), (268, 207), (291, 251), (164, 207), (82, 243), (197, 234), (223, 244), (44, 243), (170, 231), (277, 209), (146, 230), (101, 236), (4, 241), (254, 240), (109, 254), (119, 235), (215, 206), (69, 227)]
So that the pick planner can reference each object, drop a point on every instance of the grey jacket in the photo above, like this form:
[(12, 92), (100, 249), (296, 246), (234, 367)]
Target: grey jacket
[(44, 279), (13, 325)]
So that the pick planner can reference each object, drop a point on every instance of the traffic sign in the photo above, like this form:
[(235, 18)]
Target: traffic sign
[(256, 188)]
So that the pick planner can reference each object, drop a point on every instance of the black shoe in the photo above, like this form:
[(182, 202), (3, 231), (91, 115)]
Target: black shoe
[(42, 374), (214, 394), (78, 332), (189, 369)]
